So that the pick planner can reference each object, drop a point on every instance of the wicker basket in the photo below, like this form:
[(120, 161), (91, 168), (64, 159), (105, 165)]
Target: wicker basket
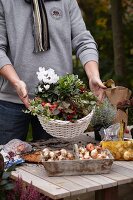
[(65, 129)]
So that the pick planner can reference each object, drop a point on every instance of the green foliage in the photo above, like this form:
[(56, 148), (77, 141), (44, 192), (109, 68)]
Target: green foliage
[(67, 99), (104, 114), (85, 102), (68, 86)]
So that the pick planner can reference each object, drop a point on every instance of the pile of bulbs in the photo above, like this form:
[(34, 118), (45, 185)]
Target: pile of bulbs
[(62, 154), (82, 153), (92, 152)]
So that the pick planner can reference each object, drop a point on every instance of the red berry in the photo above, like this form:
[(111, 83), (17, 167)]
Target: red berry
[(43, 103), (126, 131)]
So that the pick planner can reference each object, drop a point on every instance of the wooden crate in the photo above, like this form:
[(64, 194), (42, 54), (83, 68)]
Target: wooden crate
[(78, 167)]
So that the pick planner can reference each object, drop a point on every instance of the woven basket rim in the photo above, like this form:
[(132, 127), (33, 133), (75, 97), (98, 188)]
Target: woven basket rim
[(65, 129), (56, 121)]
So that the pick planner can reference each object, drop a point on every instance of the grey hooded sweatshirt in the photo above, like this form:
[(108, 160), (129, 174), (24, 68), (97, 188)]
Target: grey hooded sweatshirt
[(67, 31)]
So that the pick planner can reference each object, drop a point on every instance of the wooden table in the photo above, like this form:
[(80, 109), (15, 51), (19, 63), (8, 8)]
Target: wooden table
[(105, 185)]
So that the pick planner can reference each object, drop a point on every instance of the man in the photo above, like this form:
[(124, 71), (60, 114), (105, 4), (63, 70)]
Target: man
[(33, 34)]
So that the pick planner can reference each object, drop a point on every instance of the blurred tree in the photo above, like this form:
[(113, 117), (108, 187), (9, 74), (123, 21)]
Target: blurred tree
[(118, 40), (102, 20), (98, 20)]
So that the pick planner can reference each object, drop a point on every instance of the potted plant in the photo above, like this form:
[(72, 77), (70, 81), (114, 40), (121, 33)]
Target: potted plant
[(103, 117), (62, 103)]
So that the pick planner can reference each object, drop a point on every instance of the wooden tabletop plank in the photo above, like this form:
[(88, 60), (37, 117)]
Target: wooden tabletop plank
[(104, 181), (88, 184), (61, 187), (45, 187), (121, 179), (130, 162), (122, 170), (73, 188), (125, 164), (39, 171)]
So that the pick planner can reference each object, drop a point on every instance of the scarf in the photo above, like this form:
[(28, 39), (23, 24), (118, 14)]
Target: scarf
[(40, 25)]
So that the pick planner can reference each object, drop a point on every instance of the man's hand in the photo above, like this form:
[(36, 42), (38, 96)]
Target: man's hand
[(95, 83), (21, 90), (97, 87)]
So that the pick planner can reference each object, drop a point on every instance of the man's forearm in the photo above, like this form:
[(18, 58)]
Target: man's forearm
[(9, 73), (91, 69)]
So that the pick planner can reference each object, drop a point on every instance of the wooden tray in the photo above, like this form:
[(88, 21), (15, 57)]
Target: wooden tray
[(78, 167)]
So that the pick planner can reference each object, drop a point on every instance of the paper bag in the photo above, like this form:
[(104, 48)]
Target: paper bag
[(116, 95)]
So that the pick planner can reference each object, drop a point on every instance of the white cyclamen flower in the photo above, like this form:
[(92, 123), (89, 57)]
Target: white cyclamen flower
[(47, 76), (41, 73), (39, 89), (46, 87)]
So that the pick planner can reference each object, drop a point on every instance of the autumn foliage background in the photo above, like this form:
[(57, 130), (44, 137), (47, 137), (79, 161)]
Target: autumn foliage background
[(111, 24)]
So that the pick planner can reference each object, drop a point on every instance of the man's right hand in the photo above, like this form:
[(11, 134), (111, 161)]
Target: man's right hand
[(21, 90)]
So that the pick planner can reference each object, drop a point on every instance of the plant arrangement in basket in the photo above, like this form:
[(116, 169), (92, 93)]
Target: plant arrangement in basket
[(63, 98)]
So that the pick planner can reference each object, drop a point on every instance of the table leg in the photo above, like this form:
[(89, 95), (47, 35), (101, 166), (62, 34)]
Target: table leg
[(107, 194)]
